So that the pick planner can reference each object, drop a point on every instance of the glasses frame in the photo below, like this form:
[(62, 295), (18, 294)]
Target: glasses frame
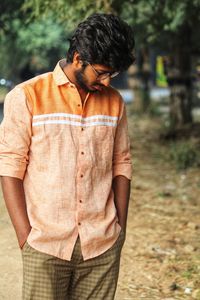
[(104, 75)]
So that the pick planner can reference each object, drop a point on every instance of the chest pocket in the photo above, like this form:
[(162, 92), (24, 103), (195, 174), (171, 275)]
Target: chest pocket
[(53, 144), (101, 146)]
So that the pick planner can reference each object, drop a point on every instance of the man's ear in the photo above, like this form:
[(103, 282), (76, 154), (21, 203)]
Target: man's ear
[(77, 62)]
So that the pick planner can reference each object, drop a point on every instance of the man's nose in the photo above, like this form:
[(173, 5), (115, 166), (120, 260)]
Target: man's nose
[(105, 81)]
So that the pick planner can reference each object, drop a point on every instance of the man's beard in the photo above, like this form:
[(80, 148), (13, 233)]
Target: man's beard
[(79, 75), (82, 83)]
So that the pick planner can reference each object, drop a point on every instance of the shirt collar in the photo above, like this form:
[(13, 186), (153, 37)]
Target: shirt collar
[(59, 75)]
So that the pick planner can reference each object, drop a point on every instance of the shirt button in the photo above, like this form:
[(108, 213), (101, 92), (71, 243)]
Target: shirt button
[(79, 223)]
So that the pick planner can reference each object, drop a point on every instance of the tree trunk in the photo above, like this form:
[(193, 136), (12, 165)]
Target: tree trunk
[(180, 105), (144, 76), (135, 85), (180, 83)]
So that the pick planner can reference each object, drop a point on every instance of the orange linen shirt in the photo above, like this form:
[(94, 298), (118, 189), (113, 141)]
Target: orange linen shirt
[(67, 155)]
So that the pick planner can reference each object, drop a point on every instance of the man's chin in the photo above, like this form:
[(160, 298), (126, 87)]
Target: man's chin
[(97, 88), (92, 90)]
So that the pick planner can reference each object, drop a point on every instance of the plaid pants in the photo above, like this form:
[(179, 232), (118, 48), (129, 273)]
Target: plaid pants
[(46, 277)]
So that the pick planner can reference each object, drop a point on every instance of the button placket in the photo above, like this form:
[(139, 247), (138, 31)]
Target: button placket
[(82, 170)]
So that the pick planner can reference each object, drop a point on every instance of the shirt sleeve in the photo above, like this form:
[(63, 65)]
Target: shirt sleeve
[(121, 156), (15, 134)]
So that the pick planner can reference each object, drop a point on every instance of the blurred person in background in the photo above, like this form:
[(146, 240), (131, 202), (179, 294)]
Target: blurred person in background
[(65, 166)]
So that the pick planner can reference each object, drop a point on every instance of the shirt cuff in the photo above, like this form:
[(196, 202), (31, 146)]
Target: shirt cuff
[(6, 171), (124, 170)]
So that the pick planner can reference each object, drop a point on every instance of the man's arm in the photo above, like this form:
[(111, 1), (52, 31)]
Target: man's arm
[(15, 140), (121, 188), (122, 170), (13, 192)]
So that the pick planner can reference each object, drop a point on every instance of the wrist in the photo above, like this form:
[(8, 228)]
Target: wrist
[(123, 228), (22, 237)]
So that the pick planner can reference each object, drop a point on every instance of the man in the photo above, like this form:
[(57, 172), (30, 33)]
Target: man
[(66, 167)]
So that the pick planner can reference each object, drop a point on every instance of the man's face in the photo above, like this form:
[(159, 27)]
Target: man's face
[(91, 77)]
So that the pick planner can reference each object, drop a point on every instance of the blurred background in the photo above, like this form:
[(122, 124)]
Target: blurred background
[(162, 93)]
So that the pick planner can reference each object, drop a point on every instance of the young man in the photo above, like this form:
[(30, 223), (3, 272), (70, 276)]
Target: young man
[(66, 167)]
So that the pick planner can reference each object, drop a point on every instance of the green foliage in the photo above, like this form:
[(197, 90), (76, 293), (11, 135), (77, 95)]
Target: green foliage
[(8, 11), (157, 21), (37, 45), (154, 21), (42, 40), (68, 12), (184, 155)]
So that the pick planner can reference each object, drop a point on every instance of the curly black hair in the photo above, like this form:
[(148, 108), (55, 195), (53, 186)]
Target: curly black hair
[(103, 39)]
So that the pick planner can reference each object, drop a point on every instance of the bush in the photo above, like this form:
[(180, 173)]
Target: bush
[(184, 155), (154, 110)]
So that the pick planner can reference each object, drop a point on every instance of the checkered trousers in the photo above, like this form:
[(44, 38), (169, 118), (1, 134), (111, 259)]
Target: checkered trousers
[(46, 277)]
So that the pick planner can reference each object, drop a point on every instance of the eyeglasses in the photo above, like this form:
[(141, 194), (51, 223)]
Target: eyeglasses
[(103, 75)]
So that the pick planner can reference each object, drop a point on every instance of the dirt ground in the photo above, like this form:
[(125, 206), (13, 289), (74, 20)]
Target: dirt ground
[(161, 257)]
